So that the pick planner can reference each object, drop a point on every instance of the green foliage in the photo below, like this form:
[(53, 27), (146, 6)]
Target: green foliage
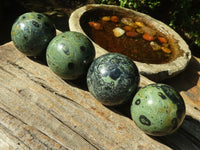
[(144, 4), (133, 4), (181, 15), (185, 19), (109, 2)]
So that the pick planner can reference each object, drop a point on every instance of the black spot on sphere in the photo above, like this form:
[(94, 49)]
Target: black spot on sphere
[(162, 95), (144, 120), (25, 37), (137, 102), (108, 88), (174, 123), (66, 51), (170, 94), (35, 24), (115, 74), (24, 17), (82, 48), (71, 66), (39, 16)]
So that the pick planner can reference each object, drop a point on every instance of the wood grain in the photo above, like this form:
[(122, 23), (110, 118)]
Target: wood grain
[(38, 110)]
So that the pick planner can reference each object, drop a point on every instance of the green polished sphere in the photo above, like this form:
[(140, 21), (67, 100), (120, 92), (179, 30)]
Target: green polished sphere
[(70, 54), (158, 109), (113, 79), (32, 32)]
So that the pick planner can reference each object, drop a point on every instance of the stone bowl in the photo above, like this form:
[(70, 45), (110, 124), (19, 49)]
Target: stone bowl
[(79, 19)]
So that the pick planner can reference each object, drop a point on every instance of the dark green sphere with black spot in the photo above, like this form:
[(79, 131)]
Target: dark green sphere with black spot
[(70, 54), (113, 79), (158, 109), (32, 32)]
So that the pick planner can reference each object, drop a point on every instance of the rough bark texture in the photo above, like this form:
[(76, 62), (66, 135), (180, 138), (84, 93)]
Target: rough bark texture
[(38, 110)]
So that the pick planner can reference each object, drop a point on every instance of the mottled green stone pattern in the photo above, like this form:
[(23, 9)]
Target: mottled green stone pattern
[(113, 79), (70, 54), (158, 109), (32, 32)]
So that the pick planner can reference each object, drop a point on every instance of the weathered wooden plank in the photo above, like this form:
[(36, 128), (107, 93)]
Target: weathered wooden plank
[(38, 110), (41, 111)]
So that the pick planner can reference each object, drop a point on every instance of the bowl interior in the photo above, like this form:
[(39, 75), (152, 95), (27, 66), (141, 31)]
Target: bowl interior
[(96, 13)]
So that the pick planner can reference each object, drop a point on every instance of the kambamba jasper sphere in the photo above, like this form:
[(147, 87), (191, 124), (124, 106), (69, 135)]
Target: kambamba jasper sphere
[(113, 79), (70, 54), (32, 32), (158, 109)]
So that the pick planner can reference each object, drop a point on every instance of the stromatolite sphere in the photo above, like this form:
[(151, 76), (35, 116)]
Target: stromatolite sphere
[(70, 54), (32, 32), (158, 109), (113, 79)]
